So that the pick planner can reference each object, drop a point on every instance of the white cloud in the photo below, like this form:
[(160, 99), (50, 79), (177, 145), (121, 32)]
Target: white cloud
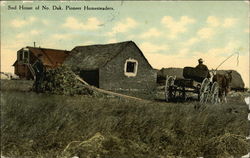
[(35, 32), (213, 21), (20, 23), (113, 40), (176, 27), (21, 35), (152, 48), (90, 24), (88, 43), (61, 36), (191, 41), (123, 26), (229, 22), (25, 35), (45, 22), (205, 33), (183, 52), (229, 48), (153, 32)]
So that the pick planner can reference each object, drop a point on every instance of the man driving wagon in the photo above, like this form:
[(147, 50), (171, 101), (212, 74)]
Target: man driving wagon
[(196, 80)]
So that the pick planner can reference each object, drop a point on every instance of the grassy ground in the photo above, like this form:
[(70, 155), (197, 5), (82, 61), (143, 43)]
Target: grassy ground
[(41, 125)]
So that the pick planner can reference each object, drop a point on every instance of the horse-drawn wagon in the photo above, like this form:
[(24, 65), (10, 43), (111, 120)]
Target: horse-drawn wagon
[(196, 82)]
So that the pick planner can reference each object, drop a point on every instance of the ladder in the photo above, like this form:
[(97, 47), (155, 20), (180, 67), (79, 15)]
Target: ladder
[(31, 70)]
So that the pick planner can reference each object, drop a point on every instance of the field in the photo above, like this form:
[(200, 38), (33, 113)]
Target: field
[(43, 125)]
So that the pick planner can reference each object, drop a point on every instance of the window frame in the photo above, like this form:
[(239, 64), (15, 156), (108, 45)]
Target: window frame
[(131, 74)]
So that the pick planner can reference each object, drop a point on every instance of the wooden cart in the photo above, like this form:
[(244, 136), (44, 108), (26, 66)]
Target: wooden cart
[(195, 82)]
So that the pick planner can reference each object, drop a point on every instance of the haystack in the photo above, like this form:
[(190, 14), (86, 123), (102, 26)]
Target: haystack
[(161, 74), (237, 82), (62, 80)]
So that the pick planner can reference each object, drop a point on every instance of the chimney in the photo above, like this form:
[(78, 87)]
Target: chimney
[(34, 44)]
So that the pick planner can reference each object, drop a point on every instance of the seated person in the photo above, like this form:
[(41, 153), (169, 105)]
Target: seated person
[(201, 66)]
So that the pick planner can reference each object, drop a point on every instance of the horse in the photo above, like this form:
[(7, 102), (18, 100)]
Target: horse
[(223, 81)]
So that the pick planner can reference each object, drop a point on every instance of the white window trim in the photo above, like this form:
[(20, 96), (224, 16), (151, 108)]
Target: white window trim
[(130, 74)]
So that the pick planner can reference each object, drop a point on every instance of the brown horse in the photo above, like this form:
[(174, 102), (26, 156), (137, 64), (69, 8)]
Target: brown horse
[(223, 80)]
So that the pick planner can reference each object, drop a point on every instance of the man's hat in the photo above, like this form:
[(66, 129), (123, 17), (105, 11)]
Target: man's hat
[(201, 60)]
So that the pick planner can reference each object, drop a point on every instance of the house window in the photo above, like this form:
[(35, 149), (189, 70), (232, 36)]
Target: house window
[(26, 56), (23, 56), (130, 68), (20, 55)]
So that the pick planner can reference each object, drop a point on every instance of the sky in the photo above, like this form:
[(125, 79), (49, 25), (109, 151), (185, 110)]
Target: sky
[(169, 33)]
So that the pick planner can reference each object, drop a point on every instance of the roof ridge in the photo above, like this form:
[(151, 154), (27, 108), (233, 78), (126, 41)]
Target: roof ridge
[(48, 48), (103, 44), (119, 51)]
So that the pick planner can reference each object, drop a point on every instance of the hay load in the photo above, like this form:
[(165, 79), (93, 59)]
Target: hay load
[(63, 81), (237, 81), (161, 74)]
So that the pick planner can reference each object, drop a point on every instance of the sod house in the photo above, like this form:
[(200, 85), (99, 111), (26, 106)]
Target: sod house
[(113, 66)]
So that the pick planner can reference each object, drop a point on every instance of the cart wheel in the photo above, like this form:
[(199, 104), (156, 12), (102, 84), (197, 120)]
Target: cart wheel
[(169, 87), (204, 91), (214, 93)]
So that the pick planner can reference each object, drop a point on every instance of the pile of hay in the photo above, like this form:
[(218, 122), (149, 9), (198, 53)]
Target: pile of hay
[(237, 81), (62, 80), (226, 145), (161, 74), (105, 146)]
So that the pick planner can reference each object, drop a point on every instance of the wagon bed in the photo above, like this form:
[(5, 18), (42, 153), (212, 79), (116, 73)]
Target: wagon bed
[(195, 82)]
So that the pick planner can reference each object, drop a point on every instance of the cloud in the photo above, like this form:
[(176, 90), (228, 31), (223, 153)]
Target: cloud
[(152, 48), (45, 22), (113, 40), (176, 27), (90, 24), (21, 35), (123, 26), (213, 21), (25, 35), (205, 33), (88, 43), (229, 22), (35, 32), (191, 41), (183, 52), (61, 36), (228, 49), (17, 23), (153, 32)]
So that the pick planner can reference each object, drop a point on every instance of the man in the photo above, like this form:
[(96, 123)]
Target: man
[(39, 71), (201, 66)]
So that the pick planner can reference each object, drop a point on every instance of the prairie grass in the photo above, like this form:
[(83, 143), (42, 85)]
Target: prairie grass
[(42, 125)]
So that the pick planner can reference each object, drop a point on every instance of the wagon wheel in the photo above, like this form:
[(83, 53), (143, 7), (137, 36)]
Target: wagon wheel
[(169, 87), (204, 90), (214, 93)]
